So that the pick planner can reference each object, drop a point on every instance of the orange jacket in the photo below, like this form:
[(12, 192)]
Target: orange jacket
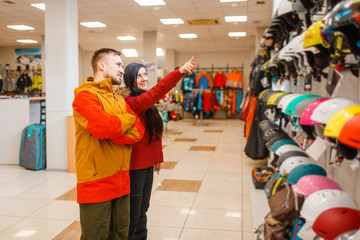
[(235, 79), (105, 126)]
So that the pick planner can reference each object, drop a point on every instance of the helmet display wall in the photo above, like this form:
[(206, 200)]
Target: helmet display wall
[(319, 64)]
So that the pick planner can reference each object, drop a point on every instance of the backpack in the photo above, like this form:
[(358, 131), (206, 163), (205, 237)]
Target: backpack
[(275, 230), (261, 176), (282, 205), (32, 154), (255, 146), (275, 183)]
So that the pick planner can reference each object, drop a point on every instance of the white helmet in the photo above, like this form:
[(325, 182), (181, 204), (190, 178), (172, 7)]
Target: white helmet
[(322, 200), (325, 110), (288, 52), (292, 162), (286, 100), (286, 148), (284, 8)]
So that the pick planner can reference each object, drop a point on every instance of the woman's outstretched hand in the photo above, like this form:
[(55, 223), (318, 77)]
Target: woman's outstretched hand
[(188, 66)]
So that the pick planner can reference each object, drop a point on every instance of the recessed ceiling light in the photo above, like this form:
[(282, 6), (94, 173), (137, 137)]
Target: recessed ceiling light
[(26, 41), (233, 0), (20, 27), (172, 21), (237, 34), (235, 18), (93, 24), (159, 52), (150, 2), (126, 38), (130, 52), (188, 35), (39, 5)]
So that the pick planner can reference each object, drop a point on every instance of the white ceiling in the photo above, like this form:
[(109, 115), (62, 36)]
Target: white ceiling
[(126, 17)]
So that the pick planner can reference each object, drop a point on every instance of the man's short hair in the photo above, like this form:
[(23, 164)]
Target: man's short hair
[(99, 54)]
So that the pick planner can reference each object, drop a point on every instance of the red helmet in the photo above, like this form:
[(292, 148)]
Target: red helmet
[(334, 222), (350, 132)]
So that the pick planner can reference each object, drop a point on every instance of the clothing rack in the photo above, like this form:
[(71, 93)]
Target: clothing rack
[(213, 69)]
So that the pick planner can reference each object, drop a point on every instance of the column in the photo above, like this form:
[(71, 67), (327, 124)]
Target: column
[(61, 72), (149, 54)]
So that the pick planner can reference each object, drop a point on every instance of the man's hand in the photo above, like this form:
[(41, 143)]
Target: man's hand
[(188, 66)]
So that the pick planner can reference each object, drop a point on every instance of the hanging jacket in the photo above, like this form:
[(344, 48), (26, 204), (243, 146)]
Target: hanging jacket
[(219, 79), (23, 82), (37, 83), (235, 80), (188, 82), (204, 80), (105, 126), (8, 85)]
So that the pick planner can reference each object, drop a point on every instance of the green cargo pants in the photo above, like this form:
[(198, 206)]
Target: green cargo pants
[(105, 220)]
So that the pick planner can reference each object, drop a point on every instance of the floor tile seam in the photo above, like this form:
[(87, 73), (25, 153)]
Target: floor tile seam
[(37, 185), (216, 229), (216, 208), (17, 221), (193, 202), (28, 217), (43, 218), (37, 209), (220, 230)]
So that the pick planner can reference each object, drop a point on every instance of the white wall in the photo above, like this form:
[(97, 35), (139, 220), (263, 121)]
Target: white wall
[(8, 56)]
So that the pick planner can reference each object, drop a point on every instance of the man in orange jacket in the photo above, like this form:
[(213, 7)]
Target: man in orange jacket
[(105, 128)]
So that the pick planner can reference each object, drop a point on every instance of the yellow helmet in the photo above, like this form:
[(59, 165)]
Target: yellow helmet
[(337, 121), (272, 99), (313, 35), (262, 92)]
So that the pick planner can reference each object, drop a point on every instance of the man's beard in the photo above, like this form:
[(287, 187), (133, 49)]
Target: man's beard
[(115, 80)]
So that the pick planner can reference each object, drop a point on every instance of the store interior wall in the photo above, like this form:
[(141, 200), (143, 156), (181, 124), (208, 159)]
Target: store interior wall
[(8, 56)]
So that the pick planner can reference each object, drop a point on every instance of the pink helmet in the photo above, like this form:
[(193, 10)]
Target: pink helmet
[(313, 183), (306, 114)]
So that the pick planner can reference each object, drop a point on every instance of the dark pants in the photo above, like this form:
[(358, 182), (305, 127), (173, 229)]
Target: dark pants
[(105, 220), (140, 183)]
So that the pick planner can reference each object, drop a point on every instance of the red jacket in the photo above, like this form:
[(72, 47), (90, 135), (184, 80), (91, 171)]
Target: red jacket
[(143, 154)]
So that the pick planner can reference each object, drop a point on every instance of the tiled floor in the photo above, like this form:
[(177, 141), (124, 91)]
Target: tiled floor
[(202, 191)]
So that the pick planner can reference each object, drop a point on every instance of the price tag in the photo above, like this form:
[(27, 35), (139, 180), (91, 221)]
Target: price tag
[(317, 148), (306, 231)]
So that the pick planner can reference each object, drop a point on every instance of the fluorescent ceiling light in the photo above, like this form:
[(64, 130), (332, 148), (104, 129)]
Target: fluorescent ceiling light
[(125, 38), (172, 21), (188, 35), (130, 52), (26, 41), (159, 52), (233, 0), (237, 34), (235, 18), (20, 27), (150, 2), (93, 24), (39, 5)]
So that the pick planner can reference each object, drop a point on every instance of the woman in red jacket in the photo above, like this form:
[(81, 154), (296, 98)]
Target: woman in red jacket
[(147, 154)]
